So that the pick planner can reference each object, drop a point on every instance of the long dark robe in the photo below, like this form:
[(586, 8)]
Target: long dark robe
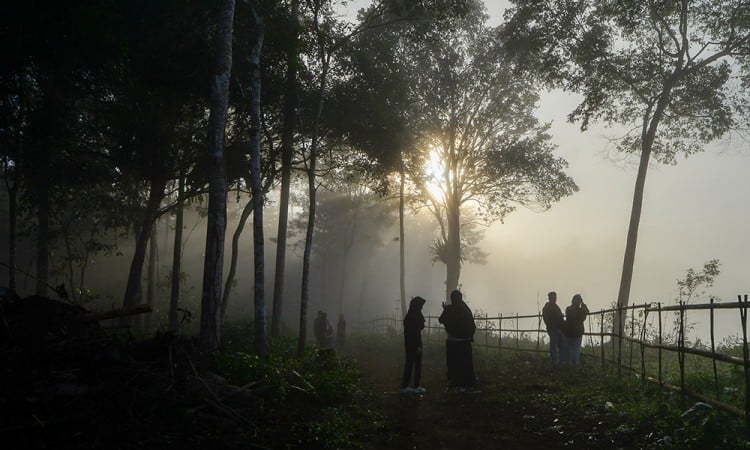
[(459, 324)]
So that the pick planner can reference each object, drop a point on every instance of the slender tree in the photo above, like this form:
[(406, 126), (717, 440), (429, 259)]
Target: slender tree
[(664, 70), (261, 346), (217, 201), (174, 292), (287, 152)]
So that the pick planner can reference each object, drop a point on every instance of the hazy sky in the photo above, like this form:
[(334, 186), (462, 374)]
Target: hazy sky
[(694, 211)]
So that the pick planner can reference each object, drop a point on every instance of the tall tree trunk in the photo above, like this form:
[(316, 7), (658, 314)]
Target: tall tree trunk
[(151, 286), (174, 294), (235, 252), (626, 279), (12, 219), (42, 248), (402, 239), (453, 264), (133, 288), (287, 143), (217, 197), (255, 183), (311, 189), (648, 136)]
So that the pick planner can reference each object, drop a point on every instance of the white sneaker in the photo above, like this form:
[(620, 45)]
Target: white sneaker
[(419, 390), (406, 390)]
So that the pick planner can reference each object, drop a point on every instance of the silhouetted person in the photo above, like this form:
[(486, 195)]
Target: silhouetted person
[(341, 331), (323, 333), (554, 320), (413, 326), (458, 321), (575, 316)]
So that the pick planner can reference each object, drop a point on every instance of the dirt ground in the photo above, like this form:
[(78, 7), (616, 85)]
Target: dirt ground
[(518, 404)]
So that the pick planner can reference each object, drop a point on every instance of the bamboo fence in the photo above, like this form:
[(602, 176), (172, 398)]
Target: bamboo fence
[(626, 352)]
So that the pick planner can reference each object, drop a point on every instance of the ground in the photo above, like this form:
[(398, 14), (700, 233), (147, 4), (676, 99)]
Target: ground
[(520, 402)]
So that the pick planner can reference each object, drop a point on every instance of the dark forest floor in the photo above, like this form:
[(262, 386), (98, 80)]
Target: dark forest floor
[(519, 403)]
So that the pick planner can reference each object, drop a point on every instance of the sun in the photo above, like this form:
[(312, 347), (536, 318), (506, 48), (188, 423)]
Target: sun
[(434, 170)]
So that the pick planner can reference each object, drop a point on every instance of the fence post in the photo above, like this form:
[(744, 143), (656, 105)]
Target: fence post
[(745, 357), (681, 348), (632, 333), (661, 380), (643, 341), (538, 331), (517, 334), (619, 340), (601, 342), (486, 329), (500, 334), (429, 324), (713, 351)]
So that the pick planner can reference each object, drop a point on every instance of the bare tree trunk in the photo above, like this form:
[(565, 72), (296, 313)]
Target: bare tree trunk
[(453, 263), (287, 143), (235, 252), (42, 248), (133, 288), (311, 189), (255, 183), (402, 240), (626, 279), (217, 197), (174, 294), (151, 287), (12, 220), (650, 125)]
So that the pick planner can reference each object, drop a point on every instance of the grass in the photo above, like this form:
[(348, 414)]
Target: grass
[(318, 401)]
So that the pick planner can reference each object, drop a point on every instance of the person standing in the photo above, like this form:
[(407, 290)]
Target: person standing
[(459, 324), (413, 326), (554, 321), (324, 333), (575, 316)]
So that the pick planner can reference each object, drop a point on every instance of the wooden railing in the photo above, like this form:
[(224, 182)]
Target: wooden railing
[(642, 350)]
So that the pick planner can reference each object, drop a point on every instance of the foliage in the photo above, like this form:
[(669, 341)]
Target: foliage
[(324, 389)]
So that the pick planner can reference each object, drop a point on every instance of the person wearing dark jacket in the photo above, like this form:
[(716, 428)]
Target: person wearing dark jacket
[(413, 326), (458, 321), (554, 320), (575, 316)]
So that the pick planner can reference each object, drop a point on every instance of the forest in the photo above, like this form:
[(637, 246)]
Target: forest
[(186, 183)]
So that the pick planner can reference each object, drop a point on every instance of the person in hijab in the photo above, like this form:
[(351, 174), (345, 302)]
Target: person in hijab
[(575, 316), (413, 326), (458, 321)]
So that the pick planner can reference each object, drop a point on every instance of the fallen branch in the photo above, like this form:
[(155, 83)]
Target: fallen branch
[(115, 313)]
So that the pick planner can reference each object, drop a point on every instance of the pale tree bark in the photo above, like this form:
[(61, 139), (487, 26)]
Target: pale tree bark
[(217, 197), (287, 143), (174, 294), (402, 241), (259, 304), (453, 264)]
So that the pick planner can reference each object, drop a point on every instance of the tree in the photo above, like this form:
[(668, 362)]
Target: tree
[(217, 201), (259, 299), (484, 152), (662, 69), (287, 153)]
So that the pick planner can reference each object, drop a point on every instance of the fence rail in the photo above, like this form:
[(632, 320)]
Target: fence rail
[(640, 348)]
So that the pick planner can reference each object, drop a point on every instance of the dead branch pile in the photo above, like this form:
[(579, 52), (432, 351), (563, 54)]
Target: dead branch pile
[(68, 383)]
